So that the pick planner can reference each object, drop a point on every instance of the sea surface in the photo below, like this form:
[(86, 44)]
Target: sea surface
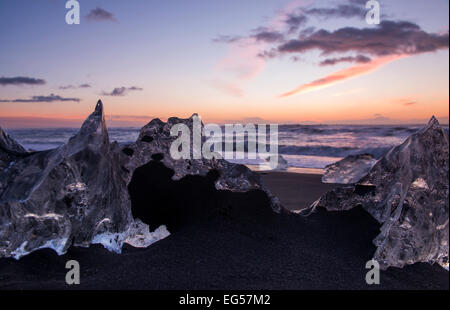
[(302, 146)]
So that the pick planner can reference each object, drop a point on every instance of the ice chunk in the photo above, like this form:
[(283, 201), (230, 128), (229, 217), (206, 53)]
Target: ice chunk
[(406, 191), (348, 170), (137, 235), (282, 163)]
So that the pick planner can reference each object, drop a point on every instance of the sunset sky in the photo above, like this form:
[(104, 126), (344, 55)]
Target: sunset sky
[(284, 61)]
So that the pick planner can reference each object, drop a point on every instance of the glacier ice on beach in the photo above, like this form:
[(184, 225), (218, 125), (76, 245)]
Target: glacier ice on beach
[(137, 235), (406, 191), (77, 194), (348, 170)]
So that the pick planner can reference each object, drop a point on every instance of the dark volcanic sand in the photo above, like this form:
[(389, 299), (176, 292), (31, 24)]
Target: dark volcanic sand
[(296, 191), (241, 244)]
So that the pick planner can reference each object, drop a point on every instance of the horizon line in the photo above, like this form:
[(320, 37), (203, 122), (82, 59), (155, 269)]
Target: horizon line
[(13, 123)]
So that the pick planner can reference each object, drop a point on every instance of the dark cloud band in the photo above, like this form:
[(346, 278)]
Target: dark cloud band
[(342, 10), (75, 87), (121, 91), (354, 59), (99, 15), (266, 35), (21, 80), (388, 38), (49, 98)]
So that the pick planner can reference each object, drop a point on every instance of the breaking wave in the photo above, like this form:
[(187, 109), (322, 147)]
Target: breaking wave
[(305, 146)]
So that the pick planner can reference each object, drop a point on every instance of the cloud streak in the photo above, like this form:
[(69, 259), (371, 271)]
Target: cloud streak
[(404, 101), (355, 59), (100, 15), (264, 34), (226, 39), (342, 75), (20, 80), (75, 87), (294, 21), (341, 11), (121, 91), (49, 98)]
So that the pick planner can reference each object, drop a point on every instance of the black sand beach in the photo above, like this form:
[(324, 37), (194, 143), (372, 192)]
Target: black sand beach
[(296, 191), (240, 244)]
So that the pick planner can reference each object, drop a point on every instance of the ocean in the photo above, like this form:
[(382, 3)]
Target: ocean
[(303, 146)]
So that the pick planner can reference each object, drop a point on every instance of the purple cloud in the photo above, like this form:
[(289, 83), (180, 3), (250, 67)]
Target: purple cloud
[(20, 80), (388, 38), (121, 91), (354, 59), (75, 87), (49, 98), (100, 15)]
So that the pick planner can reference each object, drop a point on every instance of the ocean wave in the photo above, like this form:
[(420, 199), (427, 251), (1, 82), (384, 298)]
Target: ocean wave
[(307, 145), (359, 130), (330, 151)]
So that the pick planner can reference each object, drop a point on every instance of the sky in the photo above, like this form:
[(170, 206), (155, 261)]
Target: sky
[(277, 61)]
